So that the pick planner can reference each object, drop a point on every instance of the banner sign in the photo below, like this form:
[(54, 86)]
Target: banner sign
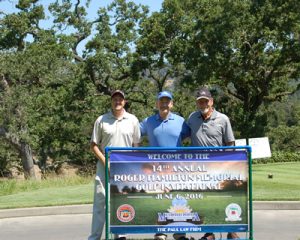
[(175, 191)]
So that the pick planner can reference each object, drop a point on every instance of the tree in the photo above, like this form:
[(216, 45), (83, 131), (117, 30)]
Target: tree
[(284, 124), (42, 95), (114, 189), (54, 82), (159, 54), (126, 189), (247, 51), (13, 127), (50, 91), (109, 52), (33, 79), (248, 48)]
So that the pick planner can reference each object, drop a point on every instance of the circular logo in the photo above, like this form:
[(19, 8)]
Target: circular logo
[(233, 212), (125, 213)]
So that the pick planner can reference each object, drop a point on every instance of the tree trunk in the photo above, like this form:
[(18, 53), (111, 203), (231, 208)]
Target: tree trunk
[(27, 160), (25, 151)]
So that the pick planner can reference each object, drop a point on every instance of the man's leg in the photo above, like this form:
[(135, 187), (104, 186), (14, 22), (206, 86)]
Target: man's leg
[(98, 219)]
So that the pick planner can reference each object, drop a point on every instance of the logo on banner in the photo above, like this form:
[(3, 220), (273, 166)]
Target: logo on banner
[(233, 212), (179, 212), (125, 213)]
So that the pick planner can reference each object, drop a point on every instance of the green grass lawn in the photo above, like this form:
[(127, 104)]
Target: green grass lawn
[(50, 192), (210, 207), (284, 185)]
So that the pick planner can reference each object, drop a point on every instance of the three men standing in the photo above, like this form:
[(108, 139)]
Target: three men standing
[(117, 128)]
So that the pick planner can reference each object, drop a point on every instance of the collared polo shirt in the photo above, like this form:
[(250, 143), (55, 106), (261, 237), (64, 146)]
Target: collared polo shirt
[(164, 133), (213, 132), (112, 132)]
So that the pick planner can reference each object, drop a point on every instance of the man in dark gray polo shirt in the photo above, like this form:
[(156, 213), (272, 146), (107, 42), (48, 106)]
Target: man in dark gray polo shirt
[(209, 128)]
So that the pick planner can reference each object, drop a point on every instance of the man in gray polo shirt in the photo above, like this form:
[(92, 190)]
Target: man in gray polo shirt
[(117, 128), (209, 128)]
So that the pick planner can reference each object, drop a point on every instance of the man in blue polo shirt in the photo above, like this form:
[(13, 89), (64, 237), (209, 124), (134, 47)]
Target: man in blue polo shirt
[(164, 129)]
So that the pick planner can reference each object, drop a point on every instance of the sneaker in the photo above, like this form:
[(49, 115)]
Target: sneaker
[(160, 236)]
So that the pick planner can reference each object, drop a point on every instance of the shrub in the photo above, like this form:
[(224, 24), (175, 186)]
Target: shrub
[(279, 156)]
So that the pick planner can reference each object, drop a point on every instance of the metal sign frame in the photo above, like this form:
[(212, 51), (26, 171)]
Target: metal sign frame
[(107, 189)]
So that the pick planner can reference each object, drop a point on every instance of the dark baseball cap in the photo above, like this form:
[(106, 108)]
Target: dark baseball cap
[(118, 92), (203, 93)]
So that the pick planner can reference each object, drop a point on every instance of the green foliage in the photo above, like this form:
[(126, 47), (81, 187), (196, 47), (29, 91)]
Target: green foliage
[(245, 49), (285, 138), (8, 159), (48, 100), (16, 27), (52, 90), (279, 157), (283, 122)]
